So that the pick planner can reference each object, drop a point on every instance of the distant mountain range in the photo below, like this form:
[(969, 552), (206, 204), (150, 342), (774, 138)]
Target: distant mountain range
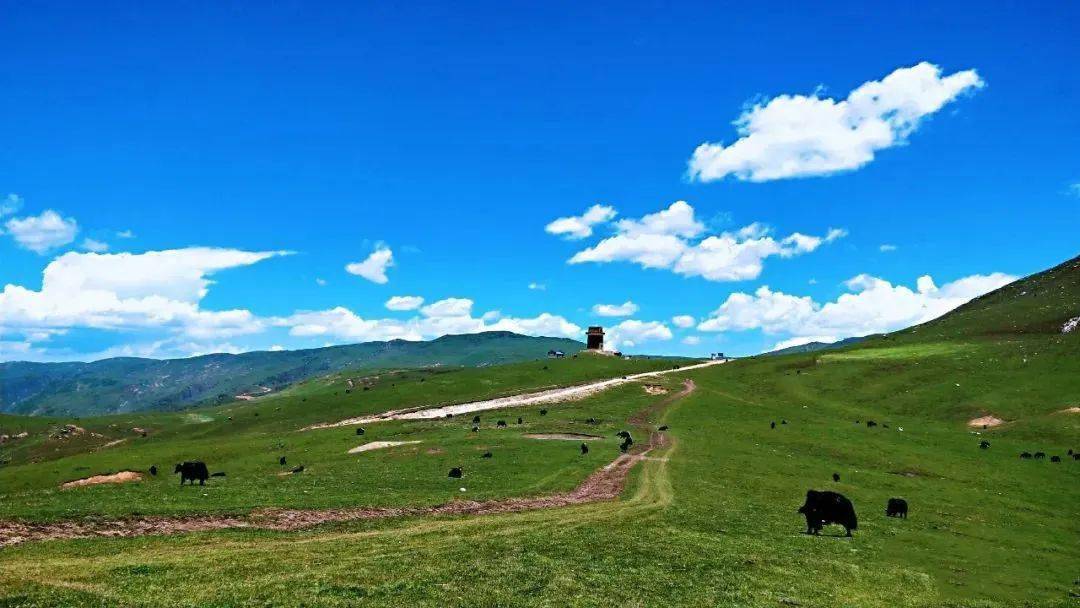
[(127, 384), (810, 347)]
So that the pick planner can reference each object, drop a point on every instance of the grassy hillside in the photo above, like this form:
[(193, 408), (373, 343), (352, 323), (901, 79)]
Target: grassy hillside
[(708, 520), (131, 384), (811, 347)]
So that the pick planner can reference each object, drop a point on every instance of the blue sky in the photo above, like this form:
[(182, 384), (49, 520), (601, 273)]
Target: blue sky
[(228, 161)]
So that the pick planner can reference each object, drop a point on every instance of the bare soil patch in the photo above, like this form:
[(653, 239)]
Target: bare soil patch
[(604, 484), (562, 436), (93, 480), (655, 389), (985, 421), (1071, 410), (379, 445)]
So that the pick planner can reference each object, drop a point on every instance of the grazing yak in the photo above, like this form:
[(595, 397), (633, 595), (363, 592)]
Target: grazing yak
[(153, 469), (486, 455), (870, 423), (1025, 455), (281, 461), (299, 469), (520, 421), (194, 471), (455, 473), (584, 448), (984, 444), (501, 423), (836, 477), (476, 419), (627, 440), (543, 412), (772, 425), (823, 508), (663, 428), (476, 429), (1040, 455), (1055, 459), (360, 430), (897, 507)]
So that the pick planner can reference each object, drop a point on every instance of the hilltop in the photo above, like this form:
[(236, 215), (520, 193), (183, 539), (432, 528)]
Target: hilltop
[(129, 384)]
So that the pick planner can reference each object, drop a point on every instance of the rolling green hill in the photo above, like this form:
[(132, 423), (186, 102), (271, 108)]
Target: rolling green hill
[(132, 384), (708, 518)]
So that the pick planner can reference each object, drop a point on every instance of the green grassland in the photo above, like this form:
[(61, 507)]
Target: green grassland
[(709, 520)]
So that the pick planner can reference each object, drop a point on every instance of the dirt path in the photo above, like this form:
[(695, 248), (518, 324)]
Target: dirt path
[(549, 396), (605, 484)]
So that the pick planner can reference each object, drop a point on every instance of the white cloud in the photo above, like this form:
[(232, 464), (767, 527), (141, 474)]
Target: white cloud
[(125, 234), (691, 340), (276, 348), (625, 309), (537, 286), (631, 333), (872, 305), (404, 302), (374, 267), (450, 307), (886, 248), (43, 232), (806, 135), (95, 245), (10, 204), (683, 321), (581, 226), (667, 240), (321, 282), (799, 341), (156, 289)]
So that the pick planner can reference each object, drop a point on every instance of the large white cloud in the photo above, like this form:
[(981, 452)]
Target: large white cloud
[(581, 226), (374, 267), (159, 289), (632, 332), (872, 305), (40, 233), (804, 135), (625, 309), (669, 239)]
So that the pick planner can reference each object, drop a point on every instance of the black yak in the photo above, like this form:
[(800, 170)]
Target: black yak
[(1039, 455), (897, 507), (772, 425), (823, 508), (455, 473), (281, 461), (1025, 455), (984, 444), (1076, 456), (476, 419), (476, 429), (486, 455), (193, 471), (520, 421), (153, 469), (543, 412), (663, 428), (500, 423), (627, 440), (870, 423), (1055, 459), (836, 477), (360, 430), (299, 469), (584, 448)]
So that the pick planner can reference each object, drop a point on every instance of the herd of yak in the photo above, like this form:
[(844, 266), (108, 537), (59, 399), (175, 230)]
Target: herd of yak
[(820, 508)]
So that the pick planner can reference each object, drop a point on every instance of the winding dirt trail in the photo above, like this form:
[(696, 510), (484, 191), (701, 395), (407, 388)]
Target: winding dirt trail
[(604, 484), (555, 395)]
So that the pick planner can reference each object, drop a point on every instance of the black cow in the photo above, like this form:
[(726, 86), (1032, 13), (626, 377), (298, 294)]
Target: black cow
[(543, 412), (783, 422), (455, 473), (448, 415), (153, 469), (520, 421), (984, 444), (1025, 455), (500, 423), (627, 440), (1055, 459), (476, 419), (823, 508), (194, 471), (1040, 455), (897, 507), (360, 430), (486, 455), (1076, 455), (299, 469), (663, 428), (584, 448), (476, 429), (281, 461), (870, 423), (772, 425), (836, 477)]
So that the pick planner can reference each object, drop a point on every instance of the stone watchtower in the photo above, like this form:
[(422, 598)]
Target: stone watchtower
[(594, 338)]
